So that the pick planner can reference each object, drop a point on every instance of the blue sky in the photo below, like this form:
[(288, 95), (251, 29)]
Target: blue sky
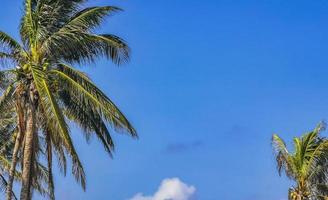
[(208, 84)]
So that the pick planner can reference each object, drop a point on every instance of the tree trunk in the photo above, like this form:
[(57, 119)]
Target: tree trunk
[(18, 141), (49, 158), (28, 154), (12, 171)]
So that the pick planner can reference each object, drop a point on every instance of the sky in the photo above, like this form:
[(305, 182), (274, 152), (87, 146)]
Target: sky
[(208, 84)]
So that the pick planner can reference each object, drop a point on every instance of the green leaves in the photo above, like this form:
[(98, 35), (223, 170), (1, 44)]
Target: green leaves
[(88, 120), (54, 32), (8, 42), (10, 49), (307, 164), (28, 24), (55, 121), (7, 100), (284, 159), (113, 48), (89, 18), (74, 42), (92, 97)]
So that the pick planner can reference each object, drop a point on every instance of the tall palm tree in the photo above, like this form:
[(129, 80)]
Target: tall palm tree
[(48, 92), (7, 138), (306, 165), (8, 135)]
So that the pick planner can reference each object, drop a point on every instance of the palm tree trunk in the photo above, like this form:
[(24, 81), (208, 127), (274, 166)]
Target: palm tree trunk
[(18, 141), (28, 154), (13, 167), (49, 158)]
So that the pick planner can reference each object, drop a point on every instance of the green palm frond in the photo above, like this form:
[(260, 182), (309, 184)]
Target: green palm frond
[(59, 152), (80, 22), (114, 48), (7, 105), (5, 163), (52, 15), (56, 121), (27, 28), (88, 18), (307, 165), (88, 120), (84, 47), (11, 52), (54, 32), (85, 91), (315, 147), (9, 44), (285, 161), (7, 80), (73, 42)]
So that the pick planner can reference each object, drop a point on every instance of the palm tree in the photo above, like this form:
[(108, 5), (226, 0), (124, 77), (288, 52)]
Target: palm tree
[(8, 134), (307, 165), (7, 137), (48, 92)]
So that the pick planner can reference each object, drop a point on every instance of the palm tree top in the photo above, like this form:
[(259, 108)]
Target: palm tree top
[(63, 30), (54, 36), (305, 164)]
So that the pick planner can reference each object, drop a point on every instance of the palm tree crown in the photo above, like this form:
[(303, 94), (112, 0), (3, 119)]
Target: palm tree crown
[(306, 165), (50, 92)]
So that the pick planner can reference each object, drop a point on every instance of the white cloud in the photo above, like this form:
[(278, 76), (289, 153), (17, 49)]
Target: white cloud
[(170, 189)]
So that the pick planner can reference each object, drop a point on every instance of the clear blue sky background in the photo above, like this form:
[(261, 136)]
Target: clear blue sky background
[(209, 82)]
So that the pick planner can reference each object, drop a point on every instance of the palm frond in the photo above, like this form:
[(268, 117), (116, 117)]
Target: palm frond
[(307, 165), (89, 121), (284, 159), (113, 47), (7, 106), (8, 44), (85, 91), (56, 121), (54, 32), (319, 147), (81, 21), (28, 23), (74, 42)]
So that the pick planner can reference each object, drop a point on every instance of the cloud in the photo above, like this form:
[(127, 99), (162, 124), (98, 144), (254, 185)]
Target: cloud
[(170, 189), (182, 147)]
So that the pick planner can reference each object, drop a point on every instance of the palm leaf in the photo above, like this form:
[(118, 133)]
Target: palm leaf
[(56, 121), (74, 42), (83, 88), (88, 120), (8, 43), (284, 159), (28, 29)]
